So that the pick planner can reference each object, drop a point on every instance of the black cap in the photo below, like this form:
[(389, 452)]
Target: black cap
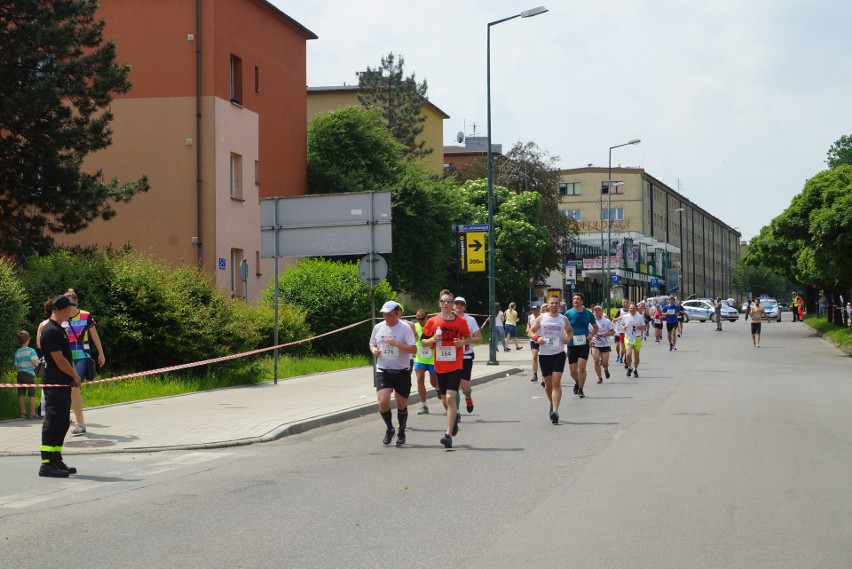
[(61, 302)]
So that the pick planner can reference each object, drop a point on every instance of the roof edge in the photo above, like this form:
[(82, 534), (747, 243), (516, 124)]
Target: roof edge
[(305, 31)]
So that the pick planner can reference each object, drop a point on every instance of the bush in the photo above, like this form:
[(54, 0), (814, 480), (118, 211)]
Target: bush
[(13, 310), (331, 296), (153, 315)]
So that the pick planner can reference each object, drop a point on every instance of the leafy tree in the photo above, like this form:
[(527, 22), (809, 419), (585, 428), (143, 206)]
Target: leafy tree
[(423, 258), (13, 309), (57, 79), (351, 150), (527, 168), (400, 100), (840, 152), (520, 241)]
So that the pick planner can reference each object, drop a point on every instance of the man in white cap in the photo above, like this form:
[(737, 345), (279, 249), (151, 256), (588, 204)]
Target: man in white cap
[(392, 343), (536, 312), (459, 307)]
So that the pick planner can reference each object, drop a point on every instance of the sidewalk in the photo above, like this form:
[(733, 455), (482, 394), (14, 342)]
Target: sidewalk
[(234, 416)]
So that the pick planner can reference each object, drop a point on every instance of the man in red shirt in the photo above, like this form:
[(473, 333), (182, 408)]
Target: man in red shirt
[(447, 334)]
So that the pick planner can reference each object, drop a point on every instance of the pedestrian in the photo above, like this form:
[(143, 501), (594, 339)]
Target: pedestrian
[(757, 313), (535, 310), (681, 315), (822, 305), (499, 325), (600, 343), (549, 332), (392, 342), (459, 307), (448, 334), (581, 319), (671, 311), (717, 310), (60, 371), (794, 306), (730, 301), (424, 361), (81, 328), (634, 327), (25, 360), (512, 324)]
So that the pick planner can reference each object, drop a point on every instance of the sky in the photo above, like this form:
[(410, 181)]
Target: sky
[(736, 101)]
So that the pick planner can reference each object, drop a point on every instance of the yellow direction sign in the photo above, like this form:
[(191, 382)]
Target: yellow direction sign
[(475, 248)]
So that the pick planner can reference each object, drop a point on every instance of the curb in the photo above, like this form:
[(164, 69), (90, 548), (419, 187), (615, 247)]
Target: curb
[(285, 430), (843, 348)]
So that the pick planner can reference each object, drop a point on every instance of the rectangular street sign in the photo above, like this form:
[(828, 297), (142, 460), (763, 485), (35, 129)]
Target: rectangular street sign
[(473, 228), (475, 245)]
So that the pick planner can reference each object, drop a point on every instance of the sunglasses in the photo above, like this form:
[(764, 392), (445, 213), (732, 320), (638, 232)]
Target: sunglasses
[(446, 301), (457, 303)]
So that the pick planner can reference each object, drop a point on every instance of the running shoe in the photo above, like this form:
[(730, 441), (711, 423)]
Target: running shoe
[(388, 437), (600, 380), (606, 373), (554, 417), (447, 441), (576, 388), (456, 426), (674, 347), (424, 410), (542, 383), (629, 371), (78, 429), (671, 347), (469, 402), (534, 378), (400, 438), (581, 394), (635, 373)]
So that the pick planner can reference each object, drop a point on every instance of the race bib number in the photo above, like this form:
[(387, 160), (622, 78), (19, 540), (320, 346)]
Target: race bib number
[(445, 353), (579, 340), (631, 341), (424, 352), (390, 352)]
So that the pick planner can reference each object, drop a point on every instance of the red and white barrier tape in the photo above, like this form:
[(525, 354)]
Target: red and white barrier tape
[(190, 365)]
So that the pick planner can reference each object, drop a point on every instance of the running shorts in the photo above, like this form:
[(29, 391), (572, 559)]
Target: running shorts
[(428, 367), (467, 368), (671, 326), (550, 364), (398, 380), (755, 327), (635, 343), (576, 353), (603, 349), (449, 381)]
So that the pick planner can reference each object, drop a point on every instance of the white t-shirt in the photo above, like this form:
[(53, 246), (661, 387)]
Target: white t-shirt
[(392, 357), (499, 322), (633, 325), (601, 339), (552, 330), (474, 328)]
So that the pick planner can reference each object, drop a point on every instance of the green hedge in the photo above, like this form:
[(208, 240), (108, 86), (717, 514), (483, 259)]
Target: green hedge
[(331, 295)]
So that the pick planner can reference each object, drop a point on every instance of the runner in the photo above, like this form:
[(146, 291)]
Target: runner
[(459, 307), (580, 318), (447, 333), (757, 313), (619, 333), (536, 312), (600, 343), (549, 332), (657, 321), (424, 361), (671, 311), (680, 318), (634, 327), (392, 342)]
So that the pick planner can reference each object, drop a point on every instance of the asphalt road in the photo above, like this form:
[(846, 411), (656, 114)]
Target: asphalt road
[(719, 455)]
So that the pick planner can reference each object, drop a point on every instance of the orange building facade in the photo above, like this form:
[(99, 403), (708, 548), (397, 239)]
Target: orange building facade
[(216, 118)]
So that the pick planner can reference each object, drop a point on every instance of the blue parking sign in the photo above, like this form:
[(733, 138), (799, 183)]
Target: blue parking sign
[(222, 264)]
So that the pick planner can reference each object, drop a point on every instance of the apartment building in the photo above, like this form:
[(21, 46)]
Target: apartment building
[(645, 235), (217, 120)]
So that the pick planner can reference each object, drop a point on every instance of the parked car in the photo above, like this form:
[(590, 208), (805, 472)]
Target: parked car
[(772, 308), (703, 310)]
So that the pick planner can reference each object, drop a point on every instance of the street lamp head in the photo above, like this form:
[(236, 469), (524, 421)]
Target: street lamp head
[(634, 141), (533, 12)]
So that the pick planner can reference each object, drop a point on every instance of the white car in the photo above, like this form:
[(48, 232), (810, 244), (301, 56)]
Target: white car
[(703, 310), (773, 311)]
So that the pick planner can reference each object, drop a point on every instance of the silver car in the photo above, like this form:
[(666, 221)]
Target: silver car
[(703, 310), (773, 311)]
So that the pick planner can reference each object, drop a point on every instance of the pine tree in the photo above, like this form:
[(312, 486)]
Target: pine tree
[(400, 100), (57, 79)]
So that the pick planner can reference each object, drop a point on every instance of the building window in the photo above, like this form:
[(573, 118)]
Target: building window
[(617, 187), (236, 176), (256, 79), (617, 214), (575, 214), (569, 189), (236, 73), (256, 173)]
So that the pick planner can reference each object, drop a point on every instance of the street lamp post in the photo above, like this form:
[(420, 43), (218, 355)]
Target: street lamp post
[(492, 294), (609, 216)]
